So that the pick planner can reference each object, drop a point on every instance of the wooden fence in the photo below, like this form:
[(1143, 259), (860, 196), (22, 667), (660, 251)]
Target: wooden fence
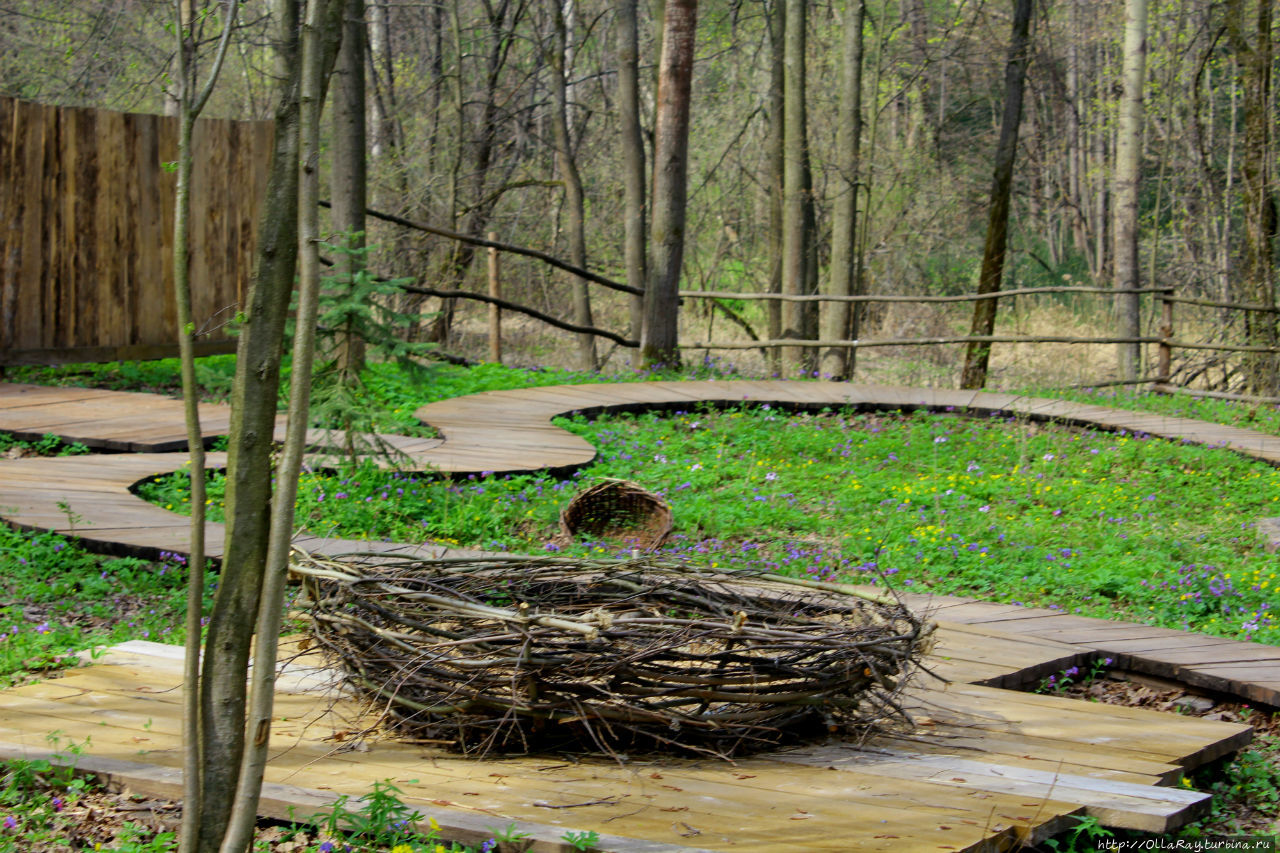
[(86, 231)]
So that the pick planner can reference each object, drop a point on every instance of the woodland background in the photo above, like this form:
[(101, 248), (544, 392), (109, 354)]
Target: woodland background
[(461, 99)]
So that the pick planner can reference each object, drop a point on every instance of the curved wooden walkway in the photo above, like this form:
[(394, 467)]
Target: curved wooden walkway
[(91, 497)]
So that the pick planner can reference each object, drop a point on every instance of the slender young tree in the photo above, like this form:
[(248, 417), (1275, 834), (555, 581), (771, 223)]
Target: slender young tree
[(567, 165), (840, 319), (776, 19), (189, 101), (348, 181), (797, 233), (1127, 171), (233, 741), (321, 33), (978, 354), (634, 249), (660, 339)]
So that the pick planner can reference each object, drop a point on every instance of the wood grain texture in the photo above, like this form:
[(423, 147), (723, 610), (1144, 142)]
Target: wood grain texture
[(890, 795), (86, 248)]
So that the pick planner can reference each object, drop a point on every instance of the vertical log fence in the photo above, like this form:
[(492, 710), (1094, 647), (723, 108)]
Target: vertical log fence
[(86, 231)]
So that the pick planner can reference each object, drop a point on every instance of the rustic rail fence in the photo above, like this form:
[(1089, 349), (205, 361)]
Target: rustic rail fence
[(86, 231)]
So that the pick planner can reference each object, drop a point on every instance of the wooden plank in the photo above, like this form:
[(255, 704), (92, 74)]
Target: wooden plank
[(292, 802), (1115, 803), (712, 800)]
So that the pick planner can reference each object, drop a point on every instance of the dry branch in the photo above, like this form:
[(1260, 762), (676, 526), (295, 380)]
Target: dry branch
[(521, 654)]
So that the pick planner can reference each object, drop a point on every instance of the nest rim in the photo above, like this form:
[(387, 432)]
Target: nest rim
[(598, 676)]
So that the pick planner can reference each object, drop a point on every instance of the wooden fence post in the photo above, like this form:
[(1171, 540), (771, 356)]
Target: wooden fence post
[(495, 313), (1164, 352)]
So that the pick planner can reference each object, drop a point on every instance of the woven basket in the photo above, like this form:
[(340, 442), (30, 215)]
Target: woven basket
[(618, 511)]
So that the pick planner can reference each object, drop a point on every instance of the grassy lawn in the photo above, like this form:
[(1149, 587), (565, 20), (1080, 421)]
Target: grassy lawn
[(1103, 524)]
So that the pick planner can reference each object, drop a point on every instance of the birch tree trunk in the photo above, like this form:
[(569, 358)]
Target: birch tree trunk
[(660, 339), (1125, 210), (978, 354)]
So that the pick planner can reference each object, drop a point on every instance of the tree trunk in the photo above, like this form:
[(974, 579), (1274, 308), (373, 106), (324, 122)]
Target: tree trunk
[(632, 161), (777, 21), (190, 102), (238, 604), (796, 195), (1256, 279), (1128, 157), (567, 165), (348, 183), (660, 338), (1075, 152), (840, 319), (253, 411), (978, 354), (321, 33)]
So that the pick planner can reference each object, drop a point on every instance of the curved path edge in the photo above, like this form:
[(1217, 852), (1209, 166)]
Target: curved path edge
[(92, 498)]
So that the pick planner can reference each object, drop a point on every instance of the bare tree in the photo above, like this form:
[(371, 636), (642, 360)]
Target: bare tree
[(189, 101), (348, 182), (632, 160), (1257, 277), (978, 354), (660, 339), (1127, 170), (567, 165), (840, 319), (797, 199), (233, 740)]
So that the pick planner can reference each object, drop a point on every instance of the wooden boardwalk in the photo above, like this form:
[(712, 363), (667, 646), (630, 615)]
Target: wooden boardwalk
[(511, 431), (986, 768)]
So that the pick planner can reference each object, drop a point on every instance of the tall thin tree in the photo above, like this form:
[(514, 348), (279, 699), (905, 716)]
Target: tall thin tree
[(233, 742), (632, 137), (1127, 173), (660, 338), (567, 165), (840, 319), (978, 353), (189, 101), (1256, 279), (797, 235)]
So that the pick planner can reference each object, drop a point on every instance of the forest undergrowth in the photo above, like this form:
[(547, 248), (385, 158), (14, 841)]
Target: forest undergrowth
[(1105, 524)]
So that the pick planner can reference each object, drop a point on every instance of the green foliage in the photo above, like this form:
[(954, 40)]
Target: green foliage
[(214, 374), (47, 445), (1004, 509), (61, 600), (1084, 836), (584, 841)]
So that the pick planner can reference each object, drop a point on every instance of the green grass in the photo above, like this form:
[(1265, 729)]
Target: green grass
[(1000, 508), (1110, 525)]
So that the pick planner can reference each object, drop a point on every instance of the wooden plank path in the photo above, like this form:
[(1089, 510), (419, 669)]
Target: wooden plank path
[(985, 768), (511, 431)]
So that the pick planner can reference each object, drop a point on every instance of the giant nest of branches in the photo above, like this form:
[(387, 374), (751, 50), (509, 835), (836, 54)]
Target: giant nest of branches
[(515, 655)]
